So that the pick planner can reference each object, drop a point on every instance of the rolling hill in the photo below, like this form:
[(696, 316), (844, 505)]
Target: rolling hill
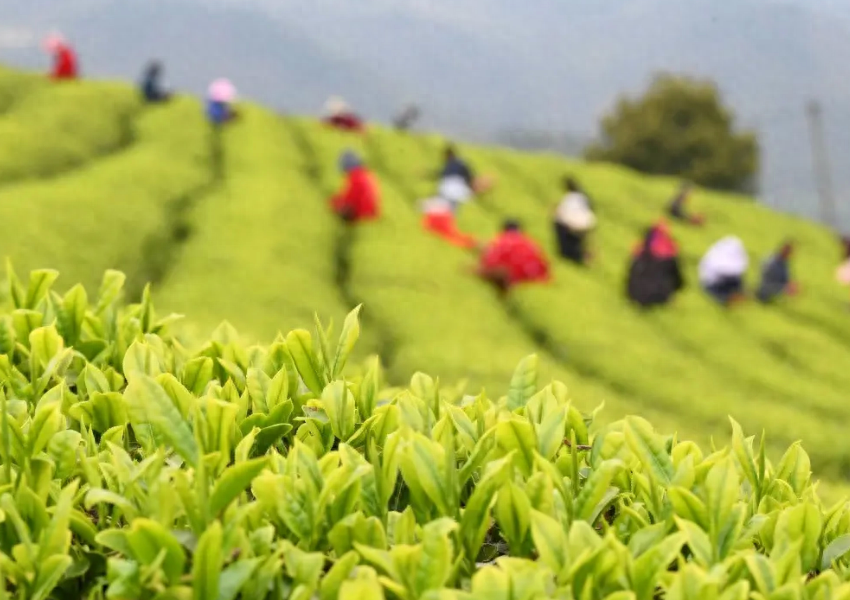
[(476, 72), (236, 227)]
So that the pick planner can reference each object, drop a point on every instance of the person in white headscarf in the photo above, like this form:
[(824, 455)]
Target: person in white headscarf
[(722, 270), (338, 114), (574, 220)]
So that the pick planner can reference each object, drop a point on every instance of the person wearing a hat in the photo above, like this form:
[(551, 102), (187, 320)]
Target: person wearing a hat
[(340, 116), (64, 58), (574, 219), (220, 98), (359, 200), (513, 258)]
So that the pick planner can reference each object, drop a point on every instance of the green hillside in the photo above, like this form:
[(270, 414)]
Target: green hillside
[(237, 228)]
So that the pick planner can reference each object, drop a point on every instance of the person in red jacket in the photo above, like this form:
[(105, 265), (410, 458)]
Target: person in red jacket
[(359, 200), (439, 219), (64, 58), (513, 258)]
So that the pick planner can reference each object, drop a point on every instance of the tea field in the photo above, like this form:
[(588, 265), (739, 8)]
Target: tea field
[(236, 227)]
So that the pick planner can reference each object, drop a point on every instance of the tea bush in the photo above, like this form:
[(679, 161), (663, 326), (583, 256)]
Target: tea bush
[(124, 206), (135, 468), (48, 129), (237, 227)]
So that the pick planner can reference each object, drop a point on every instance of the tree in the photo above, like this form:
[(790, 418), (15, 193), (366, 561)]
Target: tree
[(680, 127)]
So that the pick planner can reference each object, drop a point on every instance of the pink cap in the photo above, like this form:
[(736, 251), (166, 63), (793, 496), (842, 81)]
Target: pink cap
[(53, 42), (222, 90)]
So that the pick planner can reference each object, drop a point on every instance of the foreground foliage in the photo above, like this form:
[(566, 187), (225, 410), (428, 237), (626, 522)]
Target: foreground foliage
[(134, 468)]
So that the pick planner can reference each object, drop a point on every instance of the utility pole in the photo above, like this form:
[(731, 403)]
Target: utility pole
[(820, 164)]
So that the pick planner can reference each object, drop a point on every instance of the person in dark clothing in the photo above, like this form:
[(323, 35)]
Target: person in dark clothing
[(151, 87), (574, 219), (407, 118), (655, 274), (678, 207), (776, 275), (454, 166)]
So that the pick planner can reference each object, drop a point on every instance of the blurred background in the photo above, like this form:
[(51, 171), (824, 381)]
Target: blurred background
[(480, 75)]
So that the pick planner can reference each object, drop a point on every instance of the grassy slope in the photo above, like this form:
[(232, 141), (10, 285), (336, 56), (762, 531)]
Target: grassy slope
[(259, 247)]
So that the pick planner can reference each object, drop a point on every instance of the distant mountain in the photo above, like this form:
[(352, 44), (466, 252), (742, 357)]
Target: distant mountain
[(480, 68)]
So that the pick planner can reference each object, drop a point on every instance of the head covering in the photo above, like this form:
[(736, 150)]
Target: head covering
[(53, 42), (336, 106), (349, 161), (435, 205), (153, 69), (726, 258), (571, 184), (222, 90), (658, 242), (574, 212), (843, 273), (454, 189)]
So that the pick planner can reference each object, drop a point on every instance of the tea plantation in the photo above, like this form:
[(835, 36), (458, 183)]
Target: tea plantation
[(146, 456)]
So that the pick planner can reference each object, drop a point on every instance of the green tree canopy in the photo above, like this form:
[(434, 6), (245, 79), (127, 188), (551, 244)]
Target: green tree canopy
[(680, 127)]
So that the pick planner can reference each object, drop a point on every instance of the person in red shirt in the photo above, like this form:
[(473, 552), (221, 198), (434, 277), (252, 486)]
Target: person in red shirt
[(513, 258), (439, 220), (64, 58), (359, 200)]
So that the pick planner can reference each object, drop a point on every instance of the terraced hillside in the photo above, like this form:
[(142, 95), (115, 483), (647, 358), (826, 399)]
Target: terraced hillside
[(236, 227)]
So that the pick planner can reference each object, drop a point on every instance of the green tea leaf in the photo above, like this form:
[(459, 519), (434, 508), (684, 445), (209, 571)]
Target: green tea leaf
[(595, 489), (518, 435), (338, 402), (513, 510), (110, 289), (523, 383), (795, 468), (347, 339), (148, 404), (233, 482), (50, 573), (338, 574), (234, 577), (40, 283), (550, 540), (72, 314), (197, 373), (148, 539), (836, 550), (140, 361), (300, 345), (206, 563), (650, 451)]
